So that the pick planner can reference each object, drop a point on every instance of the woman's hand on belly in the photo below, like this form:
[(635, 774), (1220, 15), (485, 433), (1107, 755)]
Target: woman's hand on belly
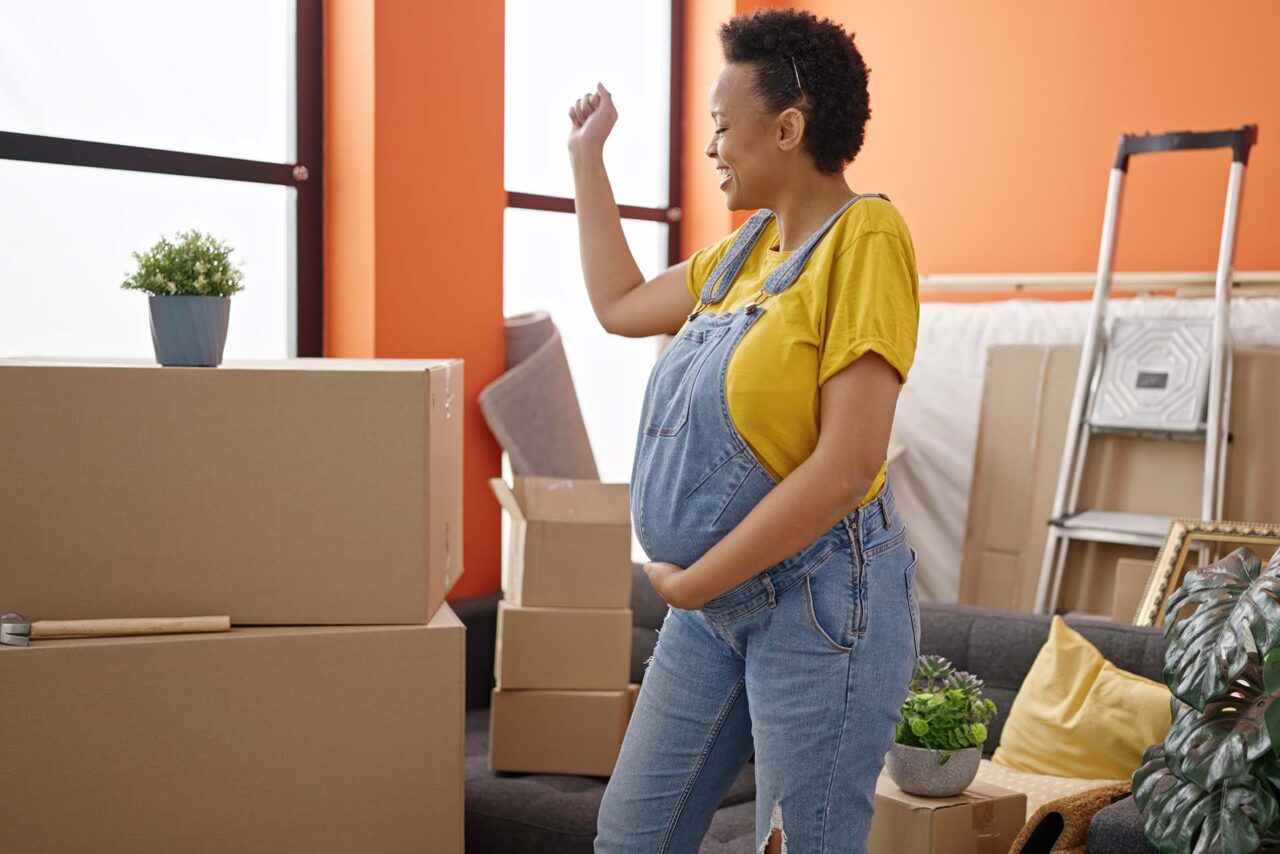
[(672, 585)]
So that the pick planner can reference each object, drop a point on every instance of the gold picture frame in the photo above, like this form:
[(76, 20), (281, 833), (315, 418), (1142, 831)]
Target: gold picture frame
[(1184, 535)]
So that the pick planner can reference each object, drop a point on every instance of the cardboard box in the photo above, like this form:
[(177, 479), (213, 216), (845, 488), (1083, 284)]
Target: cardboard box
[(558, 732), (983, 819), (270, 739), (288, 492), (570, 542), (1131, 582), (1021, 434), (571, 649)]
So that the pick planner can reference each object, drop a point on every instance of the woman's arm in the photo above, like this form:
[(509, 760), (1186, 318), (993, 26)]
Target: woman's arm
[(623, 302), (856, 416)]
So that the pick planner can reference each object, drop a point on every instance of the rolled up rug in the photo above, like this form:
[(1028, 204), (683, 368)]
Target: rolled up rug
[(533, 408)]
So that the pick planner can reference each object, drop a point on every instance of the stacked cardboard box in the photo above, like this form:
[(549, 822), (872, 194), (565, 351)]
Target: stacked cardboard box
[(317, 503), (563, 657)]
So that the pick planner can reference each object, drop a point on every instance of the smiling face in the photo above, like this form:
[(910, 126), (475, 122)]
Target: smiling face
[(752, 149)]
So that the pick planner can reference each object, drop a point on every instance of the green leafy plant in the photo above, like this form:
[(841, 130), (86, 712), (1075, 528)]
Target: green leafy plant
[(1213, 784), (193, 264), (944, 709)]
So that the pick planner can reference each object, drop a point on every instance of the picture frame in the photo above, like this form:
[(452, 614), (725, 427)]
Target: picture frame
[(1185, 535)]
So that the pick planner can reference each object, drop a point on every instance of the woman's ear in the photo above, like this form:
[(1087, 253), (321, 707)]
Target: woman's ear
[(790, 128)]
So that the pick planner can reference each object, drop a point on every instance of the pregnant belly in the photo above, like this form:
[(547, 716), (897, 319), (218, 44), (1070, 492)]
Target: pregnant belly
[(683, 504)]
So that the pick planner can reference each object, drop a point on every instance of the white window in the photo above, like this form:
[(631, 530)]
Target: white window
[(124, 122), (556, 51)]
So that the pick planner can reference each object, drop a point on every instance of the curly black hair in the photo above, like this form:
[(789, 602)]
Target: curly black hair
[(833, 77)]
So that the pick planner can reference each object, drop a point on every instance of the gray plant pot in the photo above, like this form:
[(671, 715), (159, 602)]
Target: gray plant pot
[(917, 772), (189, 331)]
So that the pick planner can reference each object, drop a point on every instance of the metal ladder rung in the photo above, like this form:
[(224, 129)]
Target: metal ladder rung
[(1109, 526), (1197, 435)]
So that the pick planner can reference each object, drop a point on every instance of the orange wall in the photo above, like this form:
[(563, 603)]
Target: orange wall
[(413, 211), (994, 125), (349, 240), (993, 128)]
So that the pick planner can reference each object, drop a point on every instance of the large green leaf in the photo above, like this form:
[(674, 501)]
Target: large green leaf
[(1183, 818), (1228, 737), (1235, 599)]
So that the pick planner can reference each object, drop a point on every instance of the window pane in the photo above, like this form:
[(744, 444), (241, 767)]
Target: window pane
[(211, 78), (542, 271), (556, 51), (67, 235)]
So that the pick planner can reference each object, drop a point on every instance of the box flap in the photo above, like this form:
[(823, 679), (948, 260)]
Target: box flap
[(506, 497), (559, 499)]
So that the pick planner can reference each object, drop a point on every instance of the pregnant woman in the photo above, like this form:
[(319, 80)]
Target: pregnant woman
[(759, 488)]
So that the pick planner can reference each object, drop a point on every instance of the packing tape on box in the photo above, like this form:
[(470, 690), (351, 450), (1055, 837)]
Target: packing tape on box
[(984, 814), (533, 408), (992, 843), (448, 390)]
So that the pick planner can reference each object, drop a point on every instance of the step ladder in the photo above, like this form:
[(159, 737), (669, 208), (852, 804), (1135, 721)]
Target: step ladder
[(1165, 378)]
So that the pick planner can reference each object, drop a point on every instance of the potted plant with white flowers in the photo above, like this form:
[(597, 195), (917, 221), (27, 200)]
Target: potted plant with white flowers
[(190, 280)]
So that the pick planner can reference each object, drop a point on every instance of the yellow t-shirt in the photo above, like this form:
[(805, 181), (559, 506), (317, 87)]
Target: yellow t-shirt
[(858, 291)]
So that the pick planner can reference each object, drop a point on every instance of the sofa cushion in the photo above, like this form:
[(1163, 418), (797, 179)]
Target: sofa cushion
[(732, 830), (1039, 788), (1117, 829)]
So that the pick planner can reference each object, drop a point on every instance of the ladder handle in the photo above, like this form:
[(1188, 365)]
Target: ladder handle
[(1239, 140)]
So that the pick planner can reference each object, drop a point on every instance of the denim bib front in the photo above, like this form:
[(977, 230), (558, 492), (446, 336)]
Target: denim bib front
[(694, 478)]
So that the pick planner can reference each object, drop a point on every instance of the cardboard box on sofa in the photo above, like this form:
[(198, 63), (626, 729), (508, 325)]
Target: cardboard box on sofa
[(1026, 400), (558, 732), (285, 492), (570, 543), (983, 819), (570, 649), (290, 739)]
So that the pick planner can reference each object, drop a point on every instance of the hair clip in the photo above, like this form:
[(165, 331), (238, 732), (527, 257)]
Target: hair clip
[(793, 68)]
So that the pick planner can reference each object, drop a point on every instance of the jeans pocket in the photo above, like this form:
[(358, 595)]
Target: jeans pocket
[(835, 598), (913, 602), (675, 374)]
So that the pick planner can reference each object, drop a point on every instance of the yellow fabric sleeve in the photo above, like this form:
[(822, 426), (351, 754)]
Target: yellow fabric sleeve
[(873, 303)]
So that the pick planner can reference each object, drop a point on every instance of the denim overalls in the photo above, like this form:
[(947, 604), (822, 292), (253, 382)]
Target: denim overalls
[(806, 663)]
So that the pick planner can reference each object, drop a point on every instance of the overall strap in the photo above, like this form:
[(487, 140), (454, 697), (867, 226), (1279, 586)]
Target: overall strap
[(717, 284), (789, 270)]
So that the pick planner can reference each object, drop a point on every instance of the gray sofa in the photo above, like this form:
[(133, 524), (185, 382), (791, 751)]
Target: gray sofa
[(546, 813)]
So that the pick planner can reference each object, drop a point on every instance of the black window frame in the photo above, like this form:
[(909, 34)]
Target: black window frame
[(672, 214), (306, 175)]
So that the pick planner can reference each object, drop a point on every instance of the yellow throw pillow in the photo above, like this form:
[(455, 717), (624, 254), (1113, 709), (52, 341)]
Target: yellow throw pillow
[(1078, 715)]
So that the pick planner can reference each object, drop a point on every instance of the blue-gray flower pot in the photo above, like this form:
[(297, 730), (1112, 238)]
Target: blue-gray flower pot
[(189, 331), (917, 772)]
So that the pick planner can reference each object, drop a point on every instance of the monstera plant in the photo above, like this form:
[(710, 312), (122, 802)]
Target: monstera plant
[(1213, 785)]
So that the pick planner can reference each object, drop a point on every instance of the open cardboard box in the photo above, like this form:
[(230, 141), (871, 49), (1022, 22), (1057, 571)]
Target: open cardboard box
[(570, 542)]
